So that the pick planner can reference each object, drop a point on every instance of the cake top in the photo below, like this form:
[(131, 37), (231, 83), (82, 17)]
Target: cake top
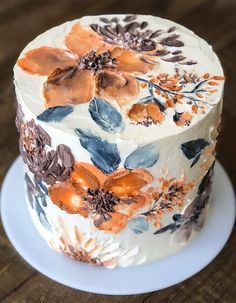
[(125, 77)]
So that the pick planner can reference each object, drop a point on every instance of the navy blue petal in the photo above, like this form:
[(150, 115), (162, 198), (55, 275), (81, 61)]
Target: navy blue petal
[(143, 157), (170, 227), (55, 114), (103, 154), (193, 148), (41, 214), (106, 116)]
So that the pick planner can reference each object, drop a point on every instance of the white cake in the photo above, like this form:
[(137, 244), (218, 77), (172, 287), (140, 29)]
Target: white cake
[(118, 119)]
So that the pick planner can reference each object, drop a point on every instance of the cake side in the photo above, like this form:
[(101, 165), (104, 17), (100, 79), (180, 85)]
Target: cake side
[(112, 181), (136, 225)]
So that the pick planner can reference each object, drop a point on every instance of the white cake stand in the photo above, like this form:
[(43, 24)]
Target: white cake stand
[(132, 280)]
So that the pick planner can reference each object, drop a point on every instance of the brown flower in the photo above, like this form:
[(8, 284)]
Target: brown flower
[(91, 67), (108, 200), (48, 165)]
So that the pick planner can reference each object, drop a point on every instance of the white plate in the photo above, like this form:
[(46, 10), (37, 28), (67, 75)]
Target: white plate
[(132, 280)]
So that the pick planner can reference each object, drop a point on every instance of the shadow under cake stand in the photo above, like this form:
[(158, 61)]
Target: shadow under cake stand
[(122, 281)]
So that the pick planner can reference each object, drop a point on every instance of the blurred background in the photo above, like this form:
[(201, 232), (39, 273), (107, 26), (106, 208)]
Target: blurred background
[(20, 22)]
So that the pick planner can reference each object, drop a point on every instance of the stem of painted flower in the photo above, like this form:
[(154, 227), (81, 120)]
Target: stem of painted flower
[(172, 93)]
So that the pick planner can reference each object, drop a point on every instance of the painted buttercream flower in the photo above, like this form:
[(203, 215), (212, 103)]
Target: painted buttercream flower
[(90, 66), (170, 193), (86, 248), (35, 148), (109, 200)]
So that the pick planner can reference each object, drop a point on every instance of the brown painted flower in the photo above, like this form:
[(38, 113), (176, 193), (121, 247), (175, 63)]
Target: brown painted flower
[(109, 200), (35, 147), (90, 67)]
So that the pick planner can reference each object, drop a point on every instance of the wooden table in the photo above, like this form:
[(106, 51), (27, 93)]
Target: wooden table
[(20, 22)]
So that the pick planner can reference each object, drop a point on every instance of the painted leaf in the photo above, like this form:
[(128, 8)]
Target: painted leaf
[(138, 225), (106, 116), (195, 160), (193, 148), (55, 114), (31, 190), (42, 187), (207, 179), (143, 157), (41, 214), (170, 227), (43, 200), (103, 154)]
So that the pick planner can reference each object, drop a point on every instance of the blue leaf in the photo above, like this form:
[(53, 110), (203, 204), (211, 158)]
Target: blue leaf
[(42, 188), (138, 225), (143, 157), (170, 227), (106, 116), (41, 214), (193, 148), (31, 189), (103, 154), (43, 199), (195, 160), (55, 114)]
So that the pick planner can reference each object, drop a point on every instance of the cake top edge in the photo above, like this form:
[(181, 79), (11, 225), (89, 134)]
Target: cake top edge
[(145, 75)]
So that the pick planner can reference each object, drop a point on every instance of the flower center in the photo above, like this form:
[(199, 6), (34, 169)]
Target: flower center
[(101, 202), (135, 41), (96, 62)]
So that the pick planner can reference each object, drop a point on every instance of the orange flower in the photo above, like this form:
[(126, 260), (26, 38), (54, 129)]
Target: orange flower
[(169, 194), (90, 67), (146, 114), (109, 200)]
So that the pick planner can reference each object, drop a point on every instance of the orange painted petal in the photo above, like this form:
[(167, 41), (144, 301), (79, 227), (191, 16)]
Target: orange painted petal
[(44, 60), (138, 112), (68, 198), (134, 204), (126, 182), (69, 86), (82, 40), (129, 61), (117, 86), (155, 113), (184, 119), (95, 171), (116, 223), (84, 178)]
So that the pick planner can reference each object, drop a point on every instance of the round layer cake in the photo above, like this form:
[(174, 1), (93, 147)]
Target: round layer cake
[(118, 118)]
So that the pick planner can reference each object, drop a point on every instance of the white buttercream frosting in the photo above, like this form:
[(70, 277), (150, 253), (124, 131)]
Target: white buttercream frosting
[(131, 248), (30, 87)]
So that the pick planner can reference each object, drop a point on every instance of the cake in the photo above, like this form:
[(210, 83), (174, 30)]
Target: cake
[(118, 117)]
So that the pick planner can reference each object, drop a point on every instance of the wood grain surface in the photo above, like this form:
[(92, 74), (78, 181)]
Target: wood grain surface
[(20, 22)]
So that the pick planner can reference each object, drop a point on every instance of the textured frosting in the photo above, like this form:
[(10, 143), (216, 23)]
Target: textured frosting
[(116, 179), (195, 49)]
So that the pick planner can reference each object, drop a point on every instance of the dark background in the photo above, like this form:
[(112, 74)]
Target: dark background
[(20, 22)]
